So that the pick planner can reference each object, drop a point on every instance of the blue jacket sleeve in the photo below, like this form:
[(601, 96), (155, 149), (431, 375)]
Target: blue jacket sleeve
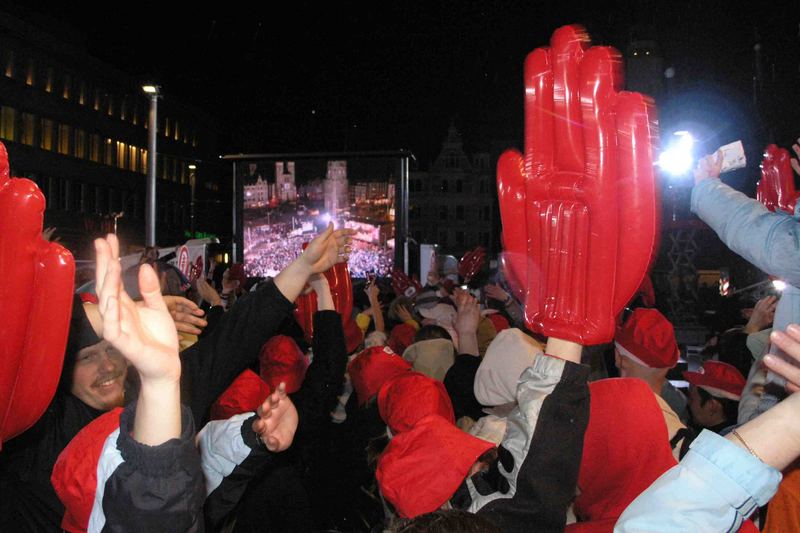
[(714, 488), (770, 241)]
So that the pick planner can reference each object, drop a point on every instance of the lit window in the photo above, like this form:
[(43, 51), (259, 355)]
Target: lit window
[(30, 77), (98, 96), (122, 149), (9, 64), (109, 153), (48, 82), (47, 134), (94, 148), (28, 129), (167, 129), (177, 134), (123, 109), (8, 123), (63, 139), (67, 87), (143, 153), (82, 93), (80, 143), (110, 105), (194, 139), (133, 159)]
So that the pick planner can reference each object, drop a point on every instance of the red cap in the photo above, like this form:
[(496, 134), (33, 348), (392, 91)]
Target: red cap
[(244, 395), (422, 468), (649, 339), (353, 336), (372, 368), (74, 476), (499, 322), (625, 425), (282, 361), (719, 379), (401, 337), (410, 396)]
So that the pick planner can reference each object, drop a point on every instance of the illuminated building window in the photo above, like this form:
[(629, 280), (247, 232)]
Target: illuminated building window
[(184, 173), (176, 133), (80, 143), (28, 129), (30, 76), (67, 87), (94, 148), (123, 109), (133, 158), (143, 153), (108, 156), (48, 82), (8, 123), (98, 98), (82, 93), (110, 105), (167, 129), (122, 150), (64, 133), (194, 139), (9, 71), (46, 142), (134, 113)]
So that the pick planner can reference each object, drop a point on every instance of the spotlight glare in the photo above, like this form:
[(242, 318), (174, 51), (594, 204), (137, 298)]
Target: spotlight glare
[(779, 285), (677, 159)]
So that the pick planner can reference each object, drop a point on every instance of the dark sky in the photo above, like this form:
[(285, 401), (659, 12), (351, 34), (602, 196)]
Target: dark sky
[(385, 75)]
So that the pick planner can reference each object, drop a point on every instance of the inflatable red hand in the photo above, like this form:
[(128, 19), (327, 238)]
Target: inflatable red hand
[(405, 286), (471, 263), (586, 189), (776, 187), (37, 301)]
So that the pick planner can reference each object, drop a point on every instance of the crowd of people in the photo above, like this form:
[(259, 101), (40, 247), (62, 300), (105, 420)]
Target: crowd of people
[(217, 407)]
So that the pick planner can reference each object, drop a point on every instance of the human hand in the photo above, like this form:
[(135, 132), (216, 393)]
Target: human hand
[(709, 167), (788, 368), (468, 312), (185, 314), (372, 292), (327, 249), (403, 313), (145, 334), (277, 420), (580, 206), (496, 292), (207, 293), (47, 234), (762, 315)]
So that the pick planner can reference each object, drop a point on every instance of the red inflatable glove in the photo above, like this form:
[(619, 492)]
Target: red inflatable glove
[(37, 301), (341, 286), (776, 187), (588, 188), (405, 286), (471, 263)]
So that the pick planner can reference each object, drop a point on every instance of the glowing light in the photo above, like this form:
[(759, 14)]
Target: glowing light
[(326, 217), (678, 158), (150, 89), (779, 285)]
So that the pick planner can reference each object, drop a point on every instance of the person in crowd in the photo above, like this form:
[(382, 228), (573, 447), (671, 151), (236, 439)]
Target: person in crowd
[(714, 395), (645, 348), (94, 381), (406, 325), (512, 308)]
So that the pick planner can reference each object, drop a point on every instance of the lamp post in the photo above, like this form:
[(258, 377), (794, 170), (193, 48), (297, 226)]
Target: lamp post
[(153, 91)]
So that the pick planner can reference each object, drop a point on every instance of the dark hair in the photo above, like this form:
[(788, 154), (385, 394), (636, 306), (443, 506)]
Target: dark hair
[(445, 521), (730, 408), (432, 331)]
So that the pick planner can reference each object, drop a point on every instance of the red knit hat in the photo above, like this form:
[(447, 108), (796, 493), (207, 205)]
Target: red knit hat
[(353, 336), (648, 338), (372, 368), (625, 425), (719, 379), (74, 476), (410, 396), (422, 468), (244, 395), (401, 337), (282, 361)]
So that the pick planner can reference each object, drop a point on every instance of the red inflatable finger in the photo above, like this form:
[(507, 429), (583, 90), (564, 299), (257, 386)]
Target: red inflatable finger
[(776, 187), (471, 263), (34, 320), (588, 189), (405, 286)]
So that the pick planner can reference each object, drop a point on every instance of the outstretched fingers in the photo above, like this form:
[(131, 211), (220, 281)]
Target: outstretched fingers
[(789, 342)]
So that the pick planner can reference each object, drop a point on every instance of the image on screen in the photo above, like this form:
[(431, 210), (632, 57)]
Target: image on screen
[(288, 203)]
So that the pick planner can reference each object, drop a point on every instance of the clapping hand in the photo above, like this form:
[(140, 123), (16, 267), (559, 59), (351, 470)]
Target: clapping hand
[(277, 420)]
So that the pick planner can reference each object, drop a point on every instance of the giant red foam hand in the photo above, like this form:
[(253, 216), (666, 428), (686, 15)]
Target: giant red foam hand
[(776, 187), (36, 292), (585, 188)]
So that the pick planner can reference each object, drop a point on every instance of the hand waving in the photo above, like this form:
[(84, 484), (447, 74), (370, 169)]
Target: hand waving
[(277, 420), (145, 334), (327, 249)]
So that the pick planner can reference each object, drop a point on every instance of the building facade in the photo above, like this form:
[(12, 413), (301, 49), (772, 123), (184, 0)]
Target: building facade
[(78, 128), (454, 204)]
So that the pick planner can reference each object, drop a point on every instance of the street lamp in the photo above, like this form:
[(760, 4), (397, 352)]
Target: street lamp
[(153, 91)]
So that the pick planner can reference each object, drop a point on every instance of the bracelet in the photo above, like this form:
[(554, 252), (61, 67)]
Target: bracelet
[(747, 447)]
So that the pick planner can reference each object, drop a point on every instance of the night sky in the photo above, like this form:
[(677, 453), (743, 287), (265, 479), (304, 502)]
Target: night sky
[(390, 75)]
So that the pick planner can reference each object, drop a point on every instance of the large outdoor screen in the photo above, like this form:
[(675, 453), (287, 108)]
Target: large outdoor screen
[(287, 202)]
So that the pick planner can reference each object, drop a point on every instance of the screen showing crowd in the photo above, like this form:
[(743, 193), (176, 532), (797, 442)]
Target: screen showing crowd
[(287, 203)]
